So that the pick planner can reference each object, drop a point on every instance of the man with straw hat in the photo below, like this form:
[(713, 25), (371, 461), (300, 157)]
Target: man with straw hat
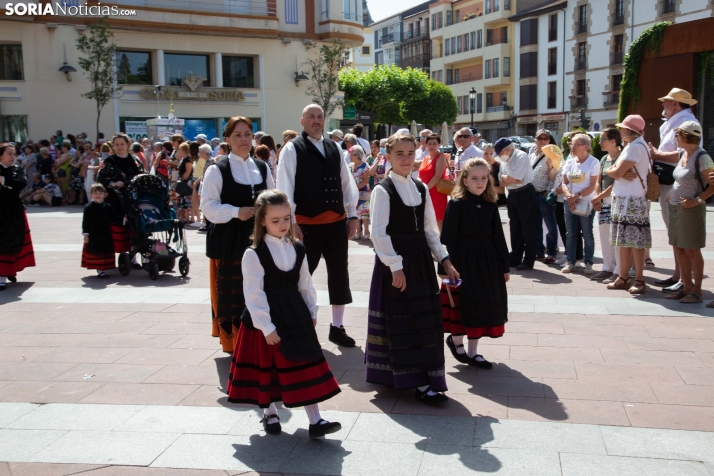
[(677, 110)]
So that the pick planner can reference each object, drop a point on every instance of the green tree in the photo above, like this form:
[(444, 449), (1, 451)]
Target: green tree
[(98, 61), (323, 70), (437, 106), (124, 70)]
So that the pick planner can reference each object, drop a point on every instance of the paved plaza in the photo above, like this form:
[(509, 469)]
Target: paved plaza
[(122, 377)]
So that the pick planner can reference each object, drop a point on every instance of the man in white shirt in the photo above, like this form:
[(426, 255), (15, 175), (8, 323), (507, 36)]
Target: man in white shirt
[(215, 143), (421, 152), (323, 196), (677, 109), (466, 149), (516, 174), (358, 130)]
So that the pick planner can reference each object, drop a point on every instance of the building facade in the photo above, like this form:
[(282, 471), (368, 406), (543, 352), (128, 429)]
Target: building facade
[(387, 40), (222, 60), (415, 48), (472, 49)]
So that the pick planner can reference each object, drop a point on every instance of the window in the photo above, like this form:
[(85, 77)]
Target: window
[(479, 103), (616, 81), (489, 100), (453, 46), (479, 39), (441, 19), (448, 47), (459, 44), (238, 72), (456, 76), (506, 67), (553, 27), (552, 90), (441, 75), (11, 67), (580, 60), (488, 6), (529, 32), (449, 76), (350, 8), (669, 6), (466, 42), (433, 21), (496, 5), (619, 17), (459, 103), (133, 67), (618, 47), (13, 128), (456, 17), (580, 99), (582, 25), (552, 61), (487, 69), (366, 50), (449, 17), (379, 58), (529, 65), (529, 97), (504, 98), (496, 62), (473, 40), (489, 37), (178, 67)]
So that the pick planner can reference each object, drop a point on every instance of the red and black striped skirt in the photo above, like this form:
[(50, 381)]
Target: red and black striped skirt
[(100, 261), (121, 234), (452, 319), (10, 265), (260, 375)]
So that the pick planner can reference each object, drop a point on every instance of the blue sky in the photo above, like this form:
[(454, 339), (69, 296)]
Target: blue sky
[(380, 9)]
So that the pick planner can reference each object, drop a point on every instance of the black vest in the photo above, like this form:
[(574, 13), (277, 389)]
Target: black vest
[(228, 241), (318, 186), (406, 224)]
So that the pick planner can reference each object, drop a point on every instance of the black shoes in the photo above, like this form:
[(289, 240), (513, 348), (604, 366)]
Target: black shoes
[(203, 229), (321, 429), (524, 267), (103, 275), (482, 364), (3, 287), (339, 336), (12, 279), (437, 399), (463, 358), (271, 428), (665, 282)]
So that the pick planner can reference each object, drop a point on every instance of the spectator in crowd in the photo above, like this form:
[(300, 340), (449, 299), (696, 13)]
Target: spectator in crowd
[(138, 151), (349, 140), (358, 130), (201, 139), (337, 136), (434, 167), (258, 137), (35, 184), (421, 151), (495, 165), (466, 150), (272, 161), (204, 159), (146, 146), (50, 194), (215, 142), (44, 161), (543, 178), (28, 161)]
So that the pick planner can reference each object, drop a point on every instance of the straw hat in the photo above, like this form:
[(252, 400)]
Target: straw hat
[(634, 122), (679, 95)]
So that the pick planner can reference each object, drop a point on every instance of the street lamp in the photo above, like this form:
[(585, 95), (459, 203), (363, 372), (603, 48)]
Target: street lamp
[(472, 96)]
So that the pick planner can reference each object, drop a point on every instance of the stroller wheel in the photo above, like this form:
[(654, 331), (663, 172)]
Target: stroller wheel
[(124, 264), (153, 271), (184, 265)]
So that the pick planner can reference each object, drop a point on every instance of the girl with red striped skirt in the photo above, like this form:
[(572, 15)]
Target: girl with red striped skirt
[(473, 235), (16, 251), (277, 355), (98, 251)]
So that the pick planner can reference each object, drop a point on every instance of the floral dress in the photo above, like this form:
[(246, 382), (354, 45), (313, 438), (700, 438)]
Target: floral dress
[(364, 193)]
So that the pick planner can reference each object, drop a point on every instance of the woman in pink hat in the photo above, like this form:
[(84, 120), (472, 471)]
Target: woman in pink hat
[(630, 226)]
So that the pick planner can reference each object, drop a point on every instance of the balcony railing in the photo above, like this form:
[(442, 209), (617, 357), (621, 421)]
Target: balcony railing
[(506, 4), (436, 55), (578, 102), (580, 64), (552, 68), (465, 78), (237, 7), (552, 34), (413, 35), (618, 20), (669, 6), (498, 108), (389, 38), (616, 57), (611, 98), (496, 41), (420, 61), (581, 28)]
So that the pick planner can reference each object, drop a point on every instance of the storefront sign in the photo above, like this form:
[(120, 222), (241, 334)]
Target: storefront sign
[(551, 117), (137, 130), (194, 92), (349, 113), (524, 120)]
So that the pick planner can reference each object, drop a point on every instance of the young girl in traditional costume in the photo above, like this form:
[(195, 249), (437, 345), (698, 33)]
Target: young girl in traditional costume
[(405, 335), (278, 356), (98, 251), (473, 236)]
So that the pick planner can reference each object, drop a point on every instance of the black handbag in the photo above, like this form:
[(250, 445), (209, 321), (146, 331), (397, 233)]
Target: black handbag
[(665, 172), (184, 189)]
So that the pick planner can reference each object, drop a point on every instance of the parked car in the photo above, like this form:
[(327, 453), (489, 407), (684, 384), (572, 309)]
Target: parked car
[(523, 142)]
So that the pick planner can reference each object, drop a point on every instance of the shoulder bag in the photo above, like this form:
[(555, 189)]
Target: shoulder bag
[(698, 172), (446, 184), (652, 189)]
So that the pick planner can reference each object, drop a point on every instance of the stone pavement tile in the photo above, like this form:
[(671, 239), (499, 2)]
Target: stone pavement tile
[(544, 317), (612, 389), (573, 411), (446, 461), (135, 307), (530, 369), (488, 386), (90, 316), (24, 306), (181, 328), (47, 392), (651, 357), (136, 341), (10, 412), (166, 356), (458, 405), (604, 330), (229, 452), (49, 469), (157, 419), (654, 443), (396, 428), (581, 341), (106, 447), (140, 394), (91, 355), (625, 320), (706, 357), (581, 465), (546, 437), (360, 396), (555, 291), (691, 332), (32, 370), (22, 354), (491, 349), (107, 373), (22, 445), (193, 308), (359, 458), (670, 344), (189, 374), (50, 327), (60, 340), (697, 376), (535, 327), (675, 417), (13, 340), (513, 339), (293, 421), (196, 342), (626, 372), (119, 327), (688, 321), (346, 358), (678, 394), (154, 317), (207, 396), (59, 416), (556, 354)]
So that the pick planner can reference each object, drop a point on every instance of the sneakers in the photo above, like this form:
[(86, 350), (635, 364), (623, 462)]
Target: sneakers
[(562, 260), (589, 269), (568, 268), (365, 236), (196, 224), (323, 427), (601, 275), (339, 336), (613, 277), (357, 237)]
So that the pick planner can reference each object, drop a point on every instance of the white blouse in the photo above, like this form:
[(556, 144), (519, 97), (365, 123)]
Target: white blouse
[(379, 215), (283, 253), (244, 171)]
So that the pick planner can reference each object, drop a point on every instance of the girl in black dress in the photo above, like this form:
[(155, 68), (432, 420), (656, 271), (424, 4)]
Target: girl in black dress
[(474, 238), (98, 251)]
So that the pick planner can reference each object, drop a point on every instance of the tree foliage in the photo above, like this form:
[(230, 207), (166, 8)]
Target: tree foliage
[(597, 151), (99, 52), (437, 106), (323, 71)]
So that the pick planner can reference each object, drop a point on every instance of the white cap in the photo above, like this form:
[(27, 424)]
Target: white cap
[(201, 136)]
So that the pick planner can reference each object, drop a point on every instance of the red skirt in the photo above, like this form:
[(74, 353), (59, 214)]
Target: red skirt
[(260, 375), (100, 261), (452, 319), (10, 265), (122, 238)]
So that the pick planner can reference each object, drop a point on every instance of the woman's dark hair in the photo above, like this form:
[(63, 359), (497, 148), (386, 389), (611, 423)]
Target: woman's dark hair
[(233, 122), (433, 137), (612, 133), (268, 140), (374, 143), (50, 177), (28, 146), (262, 152), (4, 146), (136, 147), (73, 139), (120, 135), (193, 150), (67, 145), (168, 147), (178, 138)]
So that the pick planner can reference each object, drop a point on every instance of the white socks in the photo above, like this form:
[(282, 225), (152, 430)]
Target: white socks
[(431, 393), (313, 413), (458, 341), (271, 410), (473, 346), (338, 312)]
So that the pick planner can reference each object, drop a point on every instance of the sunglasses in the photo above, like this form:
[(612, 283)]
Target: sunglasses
[(543, 138), (464, 137)]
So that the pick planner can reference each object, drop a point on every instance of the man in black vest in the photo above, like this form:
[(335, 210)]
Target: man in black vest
[(323, 196)]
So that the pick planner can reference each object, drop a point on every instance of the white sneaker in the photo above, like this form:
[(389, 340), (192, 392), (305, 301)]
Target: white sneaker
[(589, 269), (562, 260), (568, 268), (365, 236), (196, 224), (357, 237)]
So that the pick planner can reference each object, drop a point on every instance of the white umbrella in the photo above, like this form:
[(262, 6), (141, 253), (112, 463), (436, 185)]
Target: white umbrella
[(445, 138), (413, 129)]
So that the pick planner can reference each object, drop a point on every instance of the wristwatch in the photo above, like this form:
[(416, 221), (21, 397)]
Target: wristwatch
[(700, 200)]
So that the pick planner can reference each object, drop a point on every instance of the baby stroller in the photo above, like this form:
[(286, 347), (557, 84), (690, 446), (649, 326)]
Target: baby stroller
[(159, 238)]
